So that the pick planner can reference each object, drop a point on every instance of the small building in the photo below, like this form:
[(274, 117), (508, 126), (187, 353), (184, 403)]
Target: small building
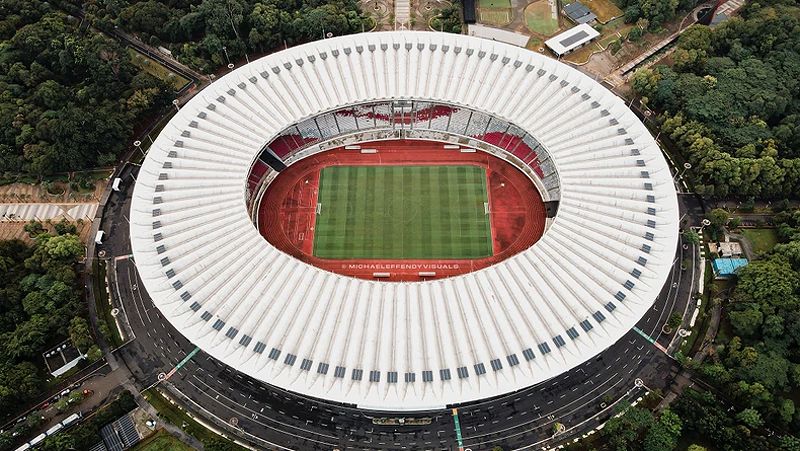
[(62, 358), (498, 34), (579, 13), (572, 39), (726, 248), (469, 12), (727, 268)]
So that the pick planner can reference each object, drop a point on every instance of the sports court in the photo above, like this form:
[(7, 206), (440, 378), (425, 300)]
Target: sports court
[(403, 212), (541, 16), (402, 209)]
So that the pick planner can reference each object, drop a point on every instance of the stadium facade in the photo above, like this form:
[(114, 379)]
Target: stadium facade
[(600, 264)]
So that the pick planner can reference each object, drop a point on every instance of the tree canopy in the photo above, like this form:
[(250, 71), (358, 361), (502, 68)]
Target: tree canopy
[(731, 102), (201, 32), (638, 429), (68, 96), (758, 368), (655, 12), (39, 301)]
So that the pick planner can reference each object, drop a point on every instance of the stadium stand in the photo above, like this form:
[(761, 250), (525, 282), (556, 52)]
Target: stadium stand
[(412, 117), (209, 271)]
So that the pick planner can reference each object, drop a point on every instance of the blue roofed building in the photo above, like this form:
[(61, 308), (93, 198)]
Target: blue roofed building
[(727, 268), (579, 13)]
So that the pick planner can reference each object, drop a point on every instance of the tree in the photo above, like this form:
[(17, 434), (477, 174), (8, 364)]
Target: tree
[(265, 19), (34, 419), (219, 444), (18, 382), (786, 411), (750, 418), (773, 326), (65, 227), (94, 353), (663, 435), (79, 334), (746, 322), (34, 228), (719, 219), (645, 82), (675, 320), (61, 405), (150, 17), (771, 282), (75, 397), (625, 430), (64, 248), (691, 237), (449, 19), (789, 443)]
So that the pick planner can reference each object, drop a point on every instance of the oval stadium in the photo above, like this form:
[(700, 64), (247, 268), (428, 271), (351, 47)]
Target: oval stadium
[(404, 221)]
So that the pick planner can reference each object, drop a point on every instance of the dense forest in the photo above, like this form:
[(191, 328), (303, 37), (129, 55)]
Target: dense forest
[(201, 32), (655, 12), (754, 368), (68, 97), (731, 102), (756, 365), (40, 305)]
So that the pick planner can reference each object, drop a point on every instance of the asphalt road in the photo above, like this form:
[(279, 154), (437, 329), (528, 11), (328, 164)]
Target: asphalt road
[(268, 417)]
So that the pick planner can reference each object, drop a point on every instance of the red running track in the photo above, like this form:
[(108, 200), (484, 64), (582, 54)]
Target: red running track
[(287, 212)]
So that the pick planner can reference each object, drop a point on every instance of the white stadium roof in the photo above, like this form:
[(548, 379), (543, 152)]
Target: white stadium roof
[(403, 346)]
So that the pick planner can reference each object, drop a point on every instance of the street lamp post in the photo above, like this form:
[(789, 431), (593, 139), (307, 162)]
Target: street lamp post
[(177, 105), (705, 224), (138, 145), (686, 167), (225, 50)]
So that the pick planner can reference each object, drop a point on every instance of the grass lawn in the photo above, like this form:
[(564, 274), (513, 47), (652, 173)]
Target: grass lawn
[(155, 69), (583, 54), (605, 10), (493, 16), (494, 3), (102, 304), (162, 441), (540, 18), (535, 44), (171, 413), (402, 212), (762, 240)]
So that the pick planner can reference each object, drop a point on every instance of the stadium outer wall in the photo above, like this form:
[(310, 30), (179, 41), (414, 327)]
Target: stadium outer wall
[(287, 211)]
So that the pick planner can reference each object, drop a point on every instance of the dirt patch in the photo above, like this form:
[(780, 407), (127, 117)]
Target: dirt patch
[(605, 10)]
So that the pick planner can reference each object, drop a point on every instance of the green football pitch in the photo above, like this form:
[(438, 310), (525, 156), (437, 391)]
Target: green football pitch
[(402, 212)]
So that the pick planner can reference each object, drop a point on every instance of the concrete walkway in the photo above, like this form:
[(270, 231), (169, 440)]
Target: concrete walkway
[(402, 13), (174, 430), (684, 378)]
